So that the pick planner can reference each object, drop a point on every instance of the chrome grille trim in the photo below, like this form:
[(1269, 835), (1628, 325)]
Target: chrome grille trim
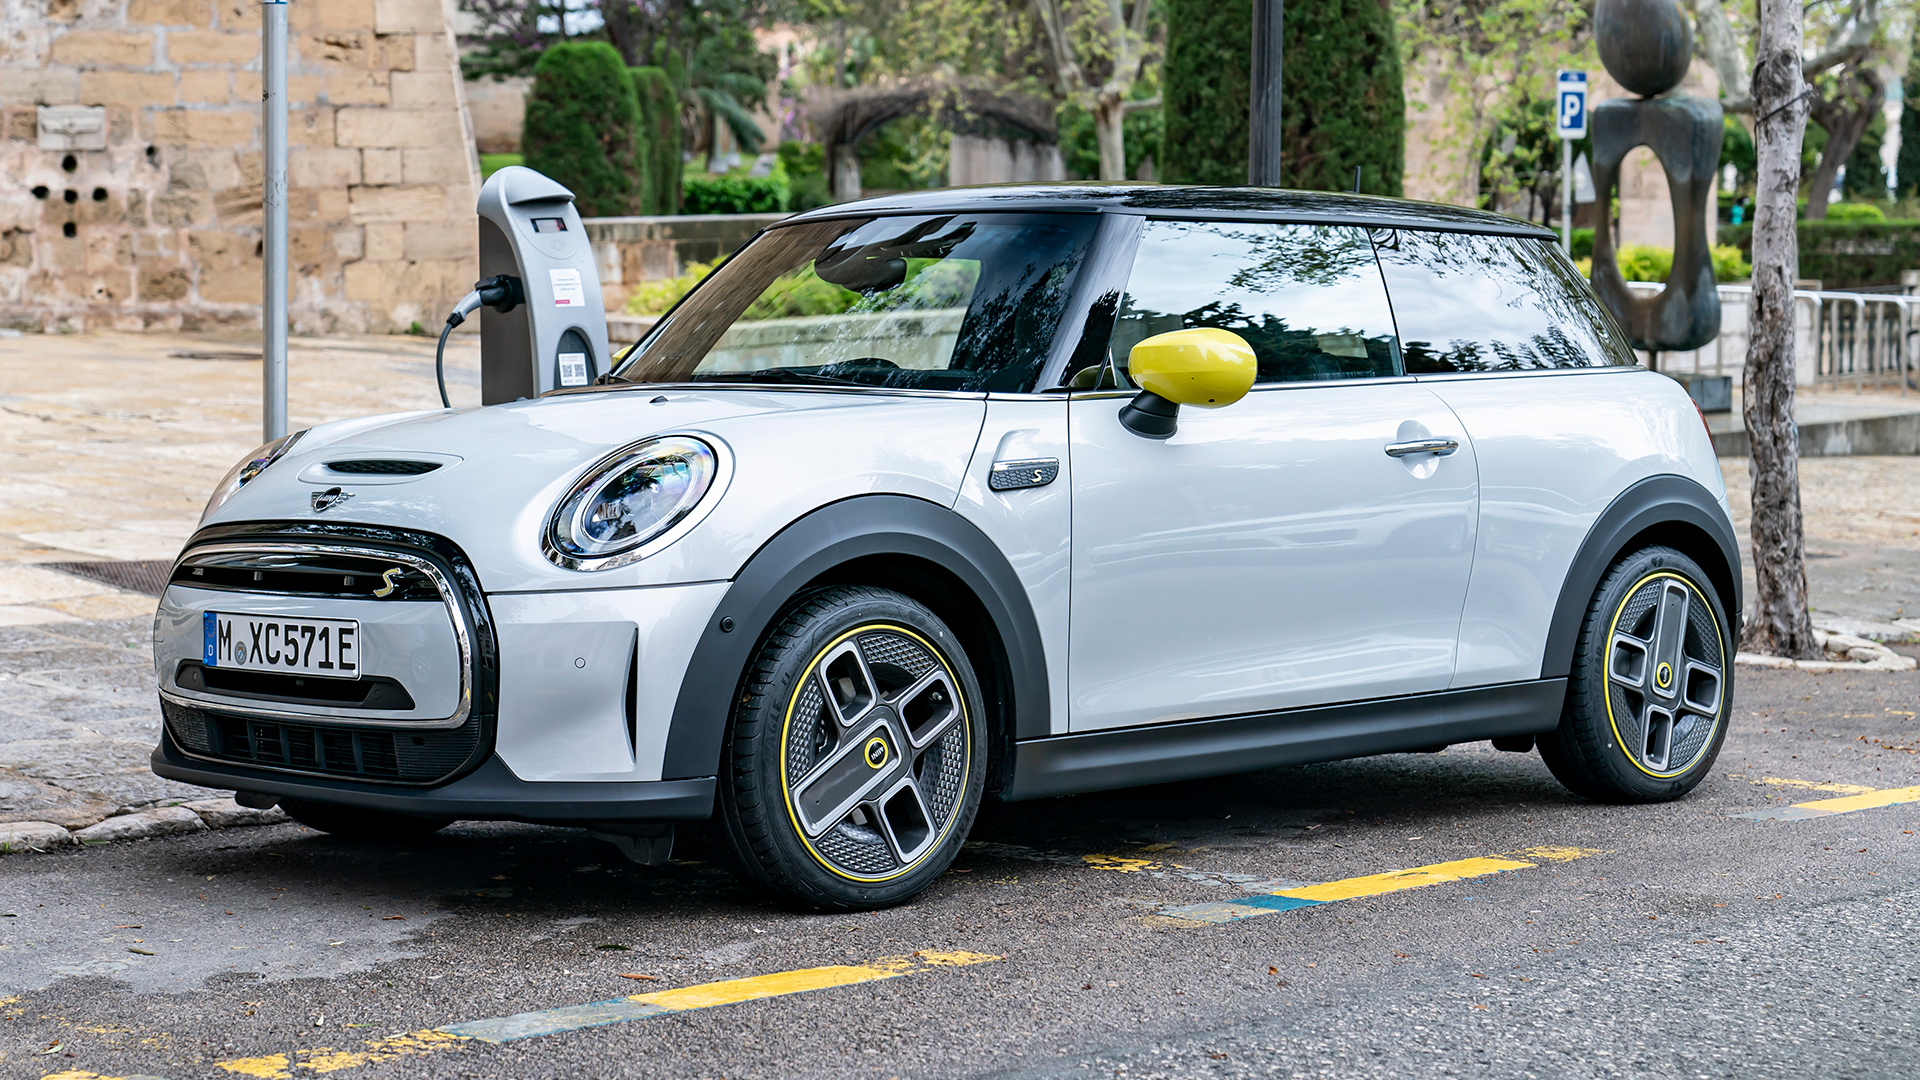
[(462, 633)]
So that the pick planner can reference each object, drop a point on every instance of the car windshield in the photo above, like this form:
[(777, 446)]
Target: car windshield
[(946, 302)]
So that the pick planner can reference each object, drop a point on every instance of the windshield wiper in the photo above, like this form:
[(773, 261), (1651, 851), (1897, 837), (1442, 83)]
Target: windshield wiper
[(776, 375)]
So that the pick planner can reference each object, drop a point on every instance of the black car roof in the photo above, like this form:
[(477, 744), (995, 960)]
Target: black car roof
[(1190, 203)]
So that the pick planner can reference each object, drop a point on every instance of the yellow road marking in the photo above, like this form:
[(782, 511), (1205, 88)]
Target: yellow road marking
[(1392, 881), (1397, 880), (321, 1060), (1812, 785), (1868, 799), (1119, 863)]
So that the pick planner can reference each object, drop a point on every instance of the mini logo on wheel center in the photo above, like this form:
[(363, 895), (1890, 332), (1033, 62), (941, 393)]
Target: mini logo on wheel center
[(876, 752), (1663, 675)]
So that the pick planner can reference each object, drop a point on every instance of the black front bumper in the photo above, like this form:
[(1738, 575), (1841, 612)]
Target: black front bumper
[(490, 792)]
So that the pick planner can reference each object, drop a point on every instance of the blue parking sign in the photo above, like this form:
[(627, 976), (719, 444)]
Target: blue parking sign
[(1570, 116)]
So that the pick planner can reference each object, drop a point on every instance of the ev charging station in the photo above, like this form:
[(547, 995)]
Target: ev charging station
[(542, 323)]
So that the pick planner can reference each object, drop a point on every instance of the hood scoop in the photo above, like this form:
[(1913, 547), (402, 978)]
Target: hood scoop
[(382, 467), (344, 468)]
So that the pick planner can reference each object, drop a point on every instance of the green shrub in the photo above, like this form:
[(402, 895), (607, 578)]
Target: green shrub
[(656, 296), (581, 126), (1644, 262), (1846, 254), (1852, 211), (1342, 104), (738, 193), (659, 131), (1080, 147), (493, 163), (1580, 244), (1204, 91), (806, 165)]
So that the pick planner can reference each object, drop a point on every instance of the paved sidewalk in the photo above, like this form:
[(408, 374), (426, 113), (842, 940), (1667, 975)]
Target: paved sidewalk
[(109, 447), (111, 443)]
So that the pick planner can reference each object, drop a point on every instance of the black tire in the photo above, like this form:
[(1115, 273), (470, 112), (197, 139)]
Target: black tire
[(354, 823), (850, 797), (1651, 685)]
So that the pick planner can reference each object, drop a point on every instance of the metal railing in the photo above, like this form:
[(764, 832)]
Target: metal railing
[(1858, 340)]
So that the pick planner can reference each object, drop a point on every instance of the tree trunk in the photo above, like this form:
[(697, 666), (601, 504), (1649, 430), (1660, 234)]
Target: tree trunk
[(846, 172), (1108, 112), (1780, 624), (1845, 116)]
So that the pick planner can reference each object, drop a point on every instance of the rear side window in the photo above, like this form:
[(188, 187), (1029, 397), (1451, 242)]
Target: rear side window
[(1308, 298), (1492, 303)]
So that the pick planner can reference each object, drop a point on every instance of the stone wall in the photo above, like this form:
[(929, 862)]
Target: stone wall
[(155, 222)]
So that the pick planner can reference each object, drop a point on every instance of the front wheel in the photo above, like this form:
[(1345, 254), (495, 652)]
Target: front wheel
[(1651, 685), (855, 758)]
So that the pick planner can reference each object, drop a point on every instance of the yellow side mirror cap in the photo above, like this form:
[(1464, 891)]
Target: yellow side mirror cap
[(1205, 367)]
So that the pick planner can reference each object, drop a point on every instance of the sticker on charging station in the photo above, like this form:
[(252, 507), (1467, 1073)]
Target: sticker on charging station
[(566, 288), (573, 368)]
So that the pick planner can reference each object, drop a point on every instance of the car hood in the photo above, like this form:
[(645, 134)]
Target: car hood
[(502, 468)]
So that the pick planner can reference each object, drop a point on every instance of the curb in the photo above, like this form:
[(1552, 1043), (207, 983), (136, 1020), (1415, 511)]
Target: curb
[(19, 837), (1861, 654)]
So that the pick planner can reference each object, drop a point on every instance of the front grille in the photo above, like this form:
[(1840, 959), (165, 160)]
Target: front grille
[(393, 756), (346, 577), (367, 692), (374, 467)]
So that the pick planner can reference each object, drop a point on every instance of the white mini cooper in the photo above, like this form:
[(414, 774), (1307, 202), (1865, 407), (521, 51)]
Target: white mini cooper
[(1010, 492)]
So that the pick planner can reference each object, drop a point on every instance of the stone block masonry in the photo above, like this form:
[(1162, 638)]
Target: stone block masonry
[(161, 229)]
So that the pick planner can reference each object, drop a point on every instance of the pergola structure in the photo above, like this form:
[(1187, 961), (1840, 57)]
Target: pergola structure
[(842, 118)]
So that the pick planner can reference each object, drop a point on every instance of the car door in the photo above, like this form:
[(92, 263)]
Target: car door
[(1295, 548)]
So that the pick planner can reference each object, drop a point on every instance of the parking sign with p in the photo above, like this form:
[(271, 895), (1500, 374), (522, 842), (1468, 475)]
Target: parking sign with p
[(1570, 118)]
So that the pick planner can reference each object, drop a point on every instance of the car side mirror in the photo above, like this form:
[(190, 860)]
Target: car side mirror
[(1205, 367)]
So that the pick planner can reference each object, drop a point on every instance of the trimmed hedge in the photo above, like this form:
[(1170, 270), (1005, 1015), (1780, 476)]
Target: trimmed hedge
[(1205, 88), (1846, 254), (659, 129), (1342, 104), (581, 127), (735, 194)]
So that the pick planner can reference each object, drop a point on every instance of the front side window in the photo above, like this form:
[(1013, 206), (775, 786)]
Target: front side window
[(1466, 302), (1308, 298), (946, 302)]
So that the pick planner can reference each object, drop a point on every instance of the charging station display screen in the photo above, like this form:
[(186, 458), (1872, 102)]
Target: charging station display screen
[(549, 224)]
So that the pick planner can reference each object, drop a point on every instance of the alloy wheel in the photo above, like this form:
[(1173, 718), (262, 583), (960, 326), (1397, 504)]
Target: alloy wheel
[(1665, 668)]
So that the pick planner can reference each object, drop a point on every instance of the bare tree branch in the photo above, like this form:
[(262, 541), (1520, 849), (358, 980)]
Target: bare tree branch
[(1862, 23), (1713, 39)]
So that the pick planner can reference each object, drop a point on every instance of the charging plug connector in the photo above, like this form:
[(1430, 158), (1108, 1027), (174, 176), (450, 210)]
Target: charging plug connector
[(501, 292)]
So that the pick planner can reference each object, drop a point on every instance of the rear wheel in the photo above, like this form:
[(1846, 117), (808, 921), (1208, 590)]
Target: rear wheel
[(354, 823), (1651, 684), (855, 758)]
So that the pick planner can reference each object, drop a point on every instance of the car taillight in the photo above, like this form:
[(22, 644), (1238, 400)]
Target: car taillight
[(1703, 418)]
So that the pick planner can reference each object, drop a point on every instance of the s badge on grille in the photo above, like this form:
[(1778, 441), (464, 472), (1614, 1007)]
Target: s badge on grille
[(328, 499), (388, 577)]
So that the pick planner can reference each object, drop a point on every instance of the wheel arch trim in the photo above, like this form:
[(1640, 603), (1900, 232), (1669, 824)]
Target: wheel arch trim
[(1675, 510), (811, 547)]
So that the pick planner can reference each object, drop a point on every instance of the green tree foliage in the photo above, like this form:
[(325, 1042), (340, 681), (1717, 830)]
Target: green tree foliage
[(1341, 102), (1866, 174), (582, 126), (659, 128), (1205, 91), (1737, 150), (1080, 150)]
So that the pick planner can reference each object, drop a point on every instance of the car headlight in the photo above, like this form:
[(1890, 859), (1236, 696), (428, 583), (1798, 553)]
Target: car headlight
[(250, 466), (632, 497)]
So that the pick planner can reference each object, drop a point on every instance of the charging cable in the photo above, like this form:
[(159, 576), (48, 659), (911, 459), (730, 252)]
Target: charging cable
[(501, 292)]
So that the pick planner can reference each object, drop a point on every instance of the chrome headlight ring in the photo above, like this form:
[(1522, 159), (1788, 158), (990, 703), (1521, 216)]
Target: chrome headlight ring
[(249, 467), (634, 502)]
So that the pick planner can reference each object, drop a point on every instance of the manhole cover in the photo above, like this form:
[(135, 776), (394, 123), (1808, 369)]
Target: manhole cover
[(148, 576)]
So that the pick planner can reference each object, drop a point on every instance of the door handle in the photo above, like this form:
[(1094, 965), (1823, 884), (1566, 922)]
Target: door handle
[(1442, 447)]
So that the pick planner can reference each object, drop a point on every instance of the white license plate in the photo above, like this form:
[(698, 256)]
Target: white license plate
[(329, 648)]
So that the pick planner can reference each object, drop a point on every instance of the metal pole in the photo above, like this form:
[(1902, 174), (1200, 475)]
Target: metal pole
[(1566, 196), (1263, 129), (273, 107)]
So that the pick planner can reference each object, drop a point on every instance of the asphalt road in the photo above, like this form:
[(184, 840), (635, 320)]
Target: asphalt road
[(1670, 941)]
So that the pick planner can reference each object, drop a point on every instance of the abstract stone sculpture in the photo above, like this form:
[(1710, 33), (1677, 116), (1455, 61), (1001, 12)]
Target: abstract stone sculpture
[(1646, 46)]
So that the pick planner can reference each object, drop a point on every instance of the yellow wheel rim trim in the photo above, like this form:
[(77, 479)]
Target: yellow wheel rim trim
[(786, 728), (1606, 671)]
